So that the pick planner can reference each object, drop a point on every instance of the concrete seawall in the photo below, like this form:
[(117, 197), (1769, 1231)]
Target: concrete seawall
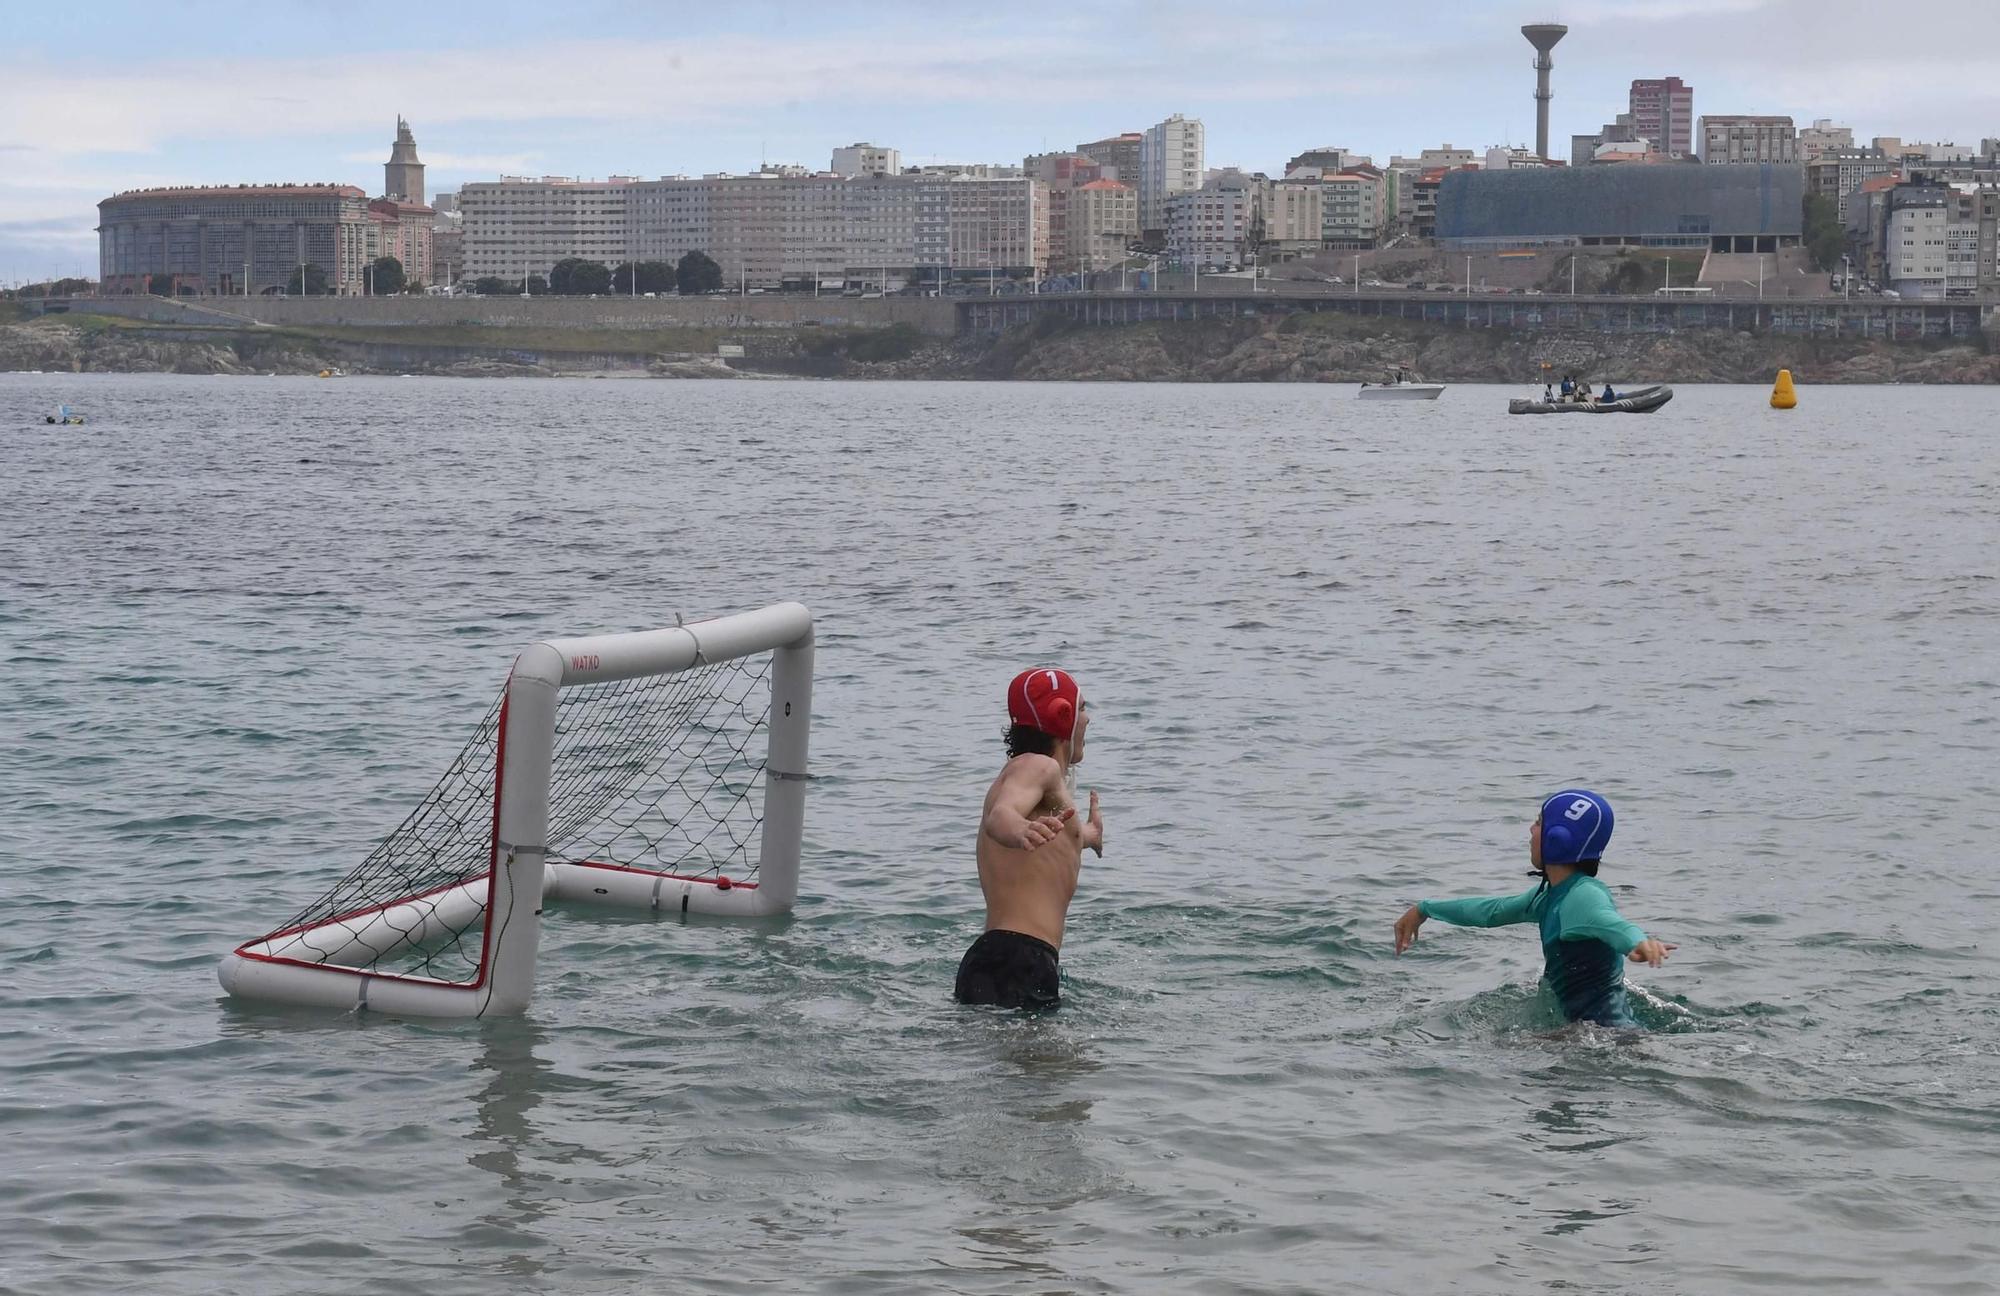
[(1827, 317)]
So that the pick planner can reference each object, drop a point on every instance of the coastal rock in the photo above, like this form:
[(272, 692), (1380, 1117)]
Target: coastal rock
[(1325, 347)]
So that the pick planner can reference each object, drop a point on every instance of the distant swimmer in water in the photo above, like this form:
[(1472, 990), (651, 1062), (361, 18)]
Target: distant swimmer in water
[(1584, 939), (1030, 848)]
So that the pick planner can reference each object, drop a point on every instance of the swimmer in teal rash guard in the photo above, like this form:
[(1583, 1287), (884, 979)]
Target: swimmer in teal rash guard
[(1584, 940)]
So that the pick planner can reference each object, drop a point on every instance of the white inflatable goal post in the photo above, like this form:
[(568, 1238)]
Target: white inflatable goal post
[(663, 770)]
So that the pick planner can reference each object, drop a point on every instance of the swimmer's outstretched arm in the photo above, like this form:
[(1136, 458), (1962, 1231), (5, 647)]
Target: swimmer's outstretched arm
[(1485, 911), (1024, 784), (1592, 915)]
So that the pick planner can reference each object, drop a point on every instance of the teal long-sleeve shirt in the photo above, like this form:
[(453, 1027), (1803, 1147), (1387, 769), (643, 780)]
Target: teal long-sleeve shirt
[(1584, 941)]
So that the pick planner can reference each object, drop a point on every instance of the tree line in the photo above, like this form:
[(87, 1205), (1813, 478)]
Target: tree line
[(694, 273)]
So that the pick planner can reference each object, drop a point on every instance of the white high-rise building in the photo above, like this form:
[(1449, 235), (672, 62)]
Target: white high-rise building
[(866, 159), (1171, 161), (1915, 242)]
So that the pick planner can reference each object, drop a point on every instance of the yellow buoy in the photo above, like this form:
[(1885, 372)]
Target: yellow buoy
[(1782, 395)]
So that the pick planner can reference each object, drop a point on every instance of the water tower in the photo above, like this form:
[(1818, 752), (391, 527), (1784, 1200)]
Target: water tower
[(1543, 36)]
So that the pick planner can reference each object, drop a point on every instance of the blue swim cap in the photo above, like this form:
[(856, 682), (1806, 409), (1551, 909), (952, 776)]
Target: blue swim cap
[(1576, 826)]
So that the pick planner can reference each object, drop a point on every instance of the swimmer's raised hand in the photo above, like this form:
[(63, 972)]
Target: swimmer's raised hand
[(1043, 830), (1651, 952), (1093, 829)]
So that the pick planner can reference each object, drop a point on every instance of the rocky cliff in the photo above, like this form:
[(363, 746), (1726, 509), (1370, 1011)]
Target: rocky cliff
[(1339, 348), (1297, 348)]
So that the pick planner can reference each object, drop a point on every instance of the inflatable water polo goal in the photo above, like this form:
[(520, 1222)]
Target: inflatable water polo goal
[(662, 771)]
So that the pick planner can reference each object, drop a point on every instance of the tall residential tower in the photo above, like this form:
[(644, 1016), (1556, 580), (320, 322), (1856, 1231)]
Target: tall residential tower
[(1172, 160), (1663, 115)]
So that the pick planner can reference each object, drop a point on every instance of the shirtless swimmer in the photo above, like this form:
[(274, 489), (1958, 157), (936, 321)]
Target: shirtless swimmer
[(1030, 848)]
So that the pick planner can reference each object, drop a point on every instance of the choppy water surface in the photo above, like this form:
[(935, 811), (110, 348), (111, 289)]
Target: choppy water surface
[(1335, 653)]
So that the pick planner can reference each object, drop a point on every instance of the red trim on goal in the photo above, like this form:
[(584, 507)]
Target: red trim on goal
[(486, 920), (362, 913), (716, 882), (364, 972), (493, 841)]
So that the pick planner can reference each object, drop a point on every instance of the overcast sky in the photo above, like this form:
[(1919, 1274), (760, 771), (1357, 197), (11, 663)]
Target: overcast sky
[(117, 94)]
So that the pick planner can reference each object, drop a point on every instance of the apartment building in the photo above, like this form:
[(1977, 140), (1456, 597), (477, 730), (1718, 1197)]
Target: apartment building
[(1294, 217), (1327, 158), (1354, 209), (1213, 225), (517, 226), (1662, 111), (1914, 240), (1838, 173), (1423, 189), (401, 230), (1731, 140), (997, 225), (1444, 156), (1103, 220), (1063, 173), (1618, 138), (1118, 155), (774, 230), (1823, 137), (1171, 161), (866, 159)]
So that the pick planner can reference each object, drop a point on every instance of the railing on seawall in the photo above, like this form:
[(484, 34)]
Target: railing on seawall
[(1824, 317)]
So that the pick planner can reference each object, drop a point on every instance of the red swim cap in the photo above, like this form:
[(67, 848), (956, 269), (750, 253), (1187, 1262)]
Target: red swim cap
[(1044, 699)]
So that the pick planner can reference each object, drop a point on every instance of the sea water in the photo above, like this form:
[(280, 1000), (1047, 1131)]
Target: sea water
[(1335, 653)]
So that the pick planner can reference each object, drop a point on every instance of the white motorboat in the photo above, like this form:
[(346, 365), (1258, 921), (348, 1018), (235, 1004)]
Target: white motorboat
[(1401, 389)]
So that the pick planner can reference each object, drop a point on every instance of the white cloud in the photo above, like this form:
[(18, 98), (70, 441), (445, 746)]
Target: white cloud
[(512, 163), (724, 81), (1581, 12)]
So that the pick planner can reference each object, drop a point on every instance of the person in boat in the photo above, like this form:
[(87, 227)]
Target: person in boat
[(1608, 395), (1568, 387), (1584, 939), (1548, 394)]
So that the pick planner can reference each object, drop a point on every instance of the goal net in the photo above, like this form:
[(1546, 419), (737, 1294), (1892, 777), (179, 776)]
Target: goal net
[(661, 770)]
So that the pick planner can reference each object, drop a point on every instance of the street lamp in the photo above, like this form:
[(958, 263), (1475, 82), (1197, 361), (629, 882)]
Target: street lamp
[(1846, 277)]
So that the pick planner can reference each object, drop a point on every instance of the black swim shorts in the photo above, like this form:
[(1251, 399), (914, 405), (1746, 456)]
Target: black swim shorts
[(1011, 970)]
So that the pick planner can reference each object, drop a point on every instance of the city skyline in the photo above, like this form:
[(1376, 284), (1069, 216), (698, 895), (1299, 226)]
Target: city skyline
[(121, 99)]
